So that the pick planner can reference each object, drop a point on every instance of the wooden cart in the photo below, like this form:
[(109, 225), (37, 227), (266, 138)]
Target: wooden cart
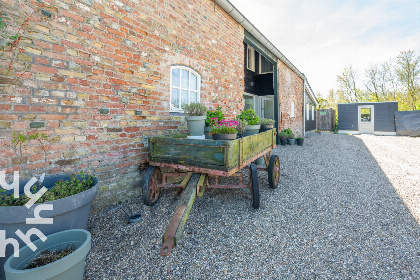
[(199, 159)]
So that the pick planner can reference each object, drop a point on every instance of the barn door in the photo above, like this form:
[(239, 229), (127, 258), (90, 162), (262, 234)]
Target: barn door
[(366, 119)]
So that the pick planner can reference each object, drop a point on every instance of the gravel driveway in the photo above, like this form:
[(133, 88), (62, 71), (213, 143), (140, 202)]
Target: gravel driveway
[(335, 214)]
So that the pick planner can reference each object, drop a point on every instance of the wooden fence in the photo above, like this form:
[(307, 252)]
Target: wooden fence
[(325, 119)]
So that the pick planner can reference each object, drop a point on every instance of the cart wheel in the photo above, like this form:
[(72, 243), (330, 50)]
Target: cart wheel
[(255, 188), (273, 171), (150, 190)]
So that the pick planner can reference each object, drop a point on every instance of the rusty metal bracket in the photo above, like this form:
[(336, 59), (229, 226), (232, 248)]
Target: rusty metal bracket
[(169, 240)]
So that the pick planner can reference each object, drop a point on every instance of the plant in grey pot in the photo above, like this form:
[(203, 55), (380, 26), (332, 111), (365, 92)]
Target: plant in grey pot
[(224, 130), (291, 139), (196, 118), (253, 121), (61, 255), (283, 137), (212, 118), (241, 127), (65, 200), (299, 141), (266, 124)]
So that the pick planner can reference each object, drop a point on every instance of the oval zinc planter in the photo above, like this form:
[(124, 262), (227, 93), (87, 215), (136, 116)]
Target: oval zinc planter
[(252, 129), (70, 267), (71, 212), (231, 136)]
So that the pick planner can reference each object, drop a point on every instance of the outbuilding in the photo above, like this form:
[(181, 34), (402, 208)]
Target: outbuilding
[(367, 118)]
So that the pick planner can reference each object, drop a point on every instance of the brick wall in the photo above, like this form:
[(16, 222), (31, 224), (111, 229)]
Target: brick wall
[(100, 80), (290, 89)]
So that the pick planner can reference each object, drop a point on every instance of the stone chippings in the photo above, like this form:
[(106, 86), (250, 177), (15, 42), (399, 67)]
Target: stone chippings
[(335, 215)]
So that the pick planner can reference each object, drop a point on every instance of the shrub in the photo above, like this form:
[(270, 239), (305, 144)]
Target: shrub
[(241, 127), (194, 109), (264, 121), (61, 189), (214, 114), (283, 134), (250, 116)]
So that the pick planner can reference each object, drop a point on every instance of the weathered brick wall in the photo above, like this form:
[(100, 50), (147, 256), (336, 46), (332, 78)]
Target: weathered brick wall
[(290, 89), (100, 80)]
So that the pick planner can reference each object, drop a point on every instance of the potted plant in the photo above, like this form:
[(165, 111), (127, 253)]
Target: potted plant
[(212, 117), (224, 130), (266, 124), (61, 256), (65, 199), (196, 118), (241, 128), (299, 141), (252, 118), (291, 139), (283, 137)]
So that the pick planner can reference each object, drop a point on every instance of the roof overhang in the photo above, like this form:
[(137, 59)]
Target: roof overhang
[(248, 26)]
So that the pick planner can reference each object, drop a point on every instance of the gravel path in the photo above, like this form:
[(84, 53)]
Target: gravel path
[(334, 215)]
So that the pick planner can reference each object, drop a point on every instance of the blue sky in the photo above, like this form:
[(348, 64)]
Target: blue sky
[(321, 37)]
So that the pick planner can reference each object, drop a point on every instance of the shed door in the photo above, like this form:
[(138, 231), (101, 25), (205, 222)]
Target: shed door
[(366, 119)]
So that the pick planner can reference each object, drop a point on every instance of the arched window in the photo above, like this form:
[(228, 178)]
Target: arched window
[(185, 87), (292, 110)]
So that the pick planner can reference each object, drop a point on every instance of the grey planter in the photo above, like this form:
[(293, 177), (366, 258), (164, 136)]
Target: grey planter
[(292, 141), (196, 125), (70, 267), (252, 129), (224, 136), (265, 127), (71, 212)]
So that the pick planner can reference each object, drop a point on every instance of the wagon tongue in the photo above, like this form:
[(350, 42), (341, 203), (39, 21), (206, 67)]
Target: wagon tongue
[(176, 225)]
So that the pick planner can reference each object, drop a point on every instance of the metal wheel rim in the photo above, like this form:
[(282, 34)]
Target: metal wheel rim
[(154, 190)]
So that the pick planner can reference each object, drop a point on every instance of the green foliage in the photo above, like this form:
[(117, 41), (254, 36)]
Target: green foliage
[(194, 109), (222, 129), (76, 184), (241, 127), (299, 137), (287, 133), (283, 134), (335, 129), (264, 121), (214, 114), (250, 116)]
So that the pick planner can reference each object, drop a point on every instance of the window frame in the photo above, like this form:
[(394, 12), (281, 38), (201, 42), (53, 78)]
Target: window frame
[(307, 112), (292, 110), (250, 58), (259, 66), (180, 88), (313, 112)]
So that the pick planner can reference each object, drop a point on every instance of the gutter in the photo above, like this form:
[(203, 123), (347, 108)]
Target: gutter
[(248, 26)]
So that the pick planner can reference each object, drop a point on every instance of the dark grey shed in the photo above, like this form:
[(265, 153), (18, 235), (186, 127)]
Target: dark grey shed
[(368, 117)]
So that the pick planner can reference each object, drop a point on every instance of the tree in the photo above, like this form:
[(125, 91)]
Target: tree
[(408, 73), (349, 92)]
